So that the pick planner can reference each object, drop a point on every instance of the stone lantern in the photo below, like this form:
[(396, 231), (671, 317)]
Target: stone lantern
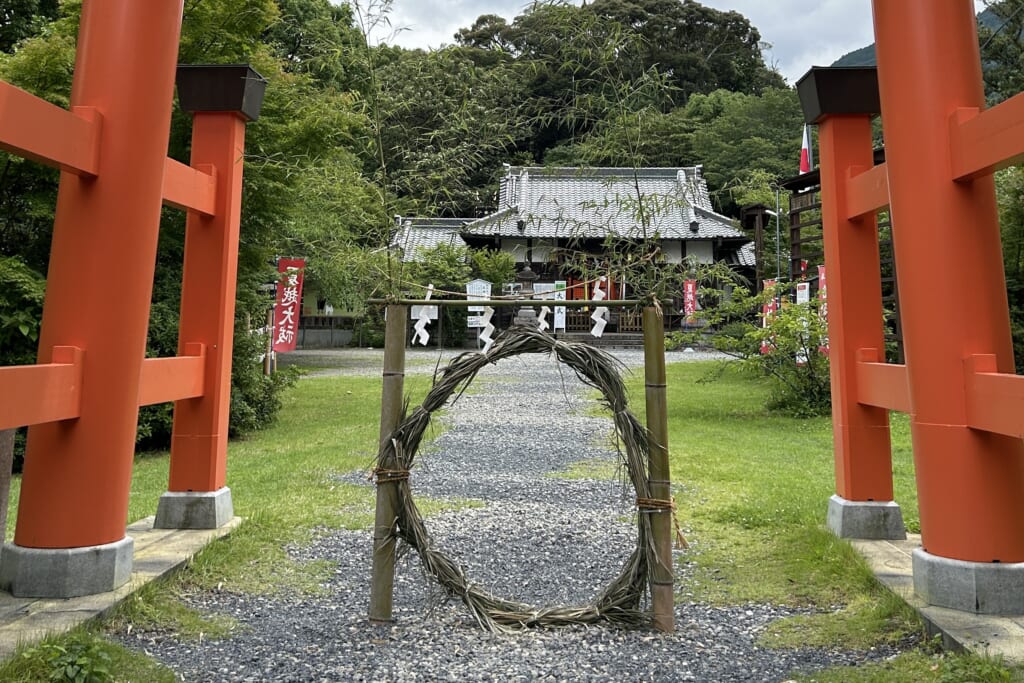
[(526, 315)]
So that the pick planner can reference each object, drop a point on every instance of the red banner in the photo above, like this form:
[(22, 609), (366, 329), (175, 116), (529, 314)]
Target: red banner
[(287, 308), (823, 308), (768, 312), (689, 299)]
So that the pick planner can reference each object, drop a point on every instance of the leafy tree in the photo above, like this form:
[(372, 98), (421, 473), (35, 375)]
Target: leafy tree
[(493, 265), (703, 49), (21, 307), (21, 19), (448, 268), (447, 125), (1002, 49), (650, 138), (319, 38), (488, 32), (737, 135)]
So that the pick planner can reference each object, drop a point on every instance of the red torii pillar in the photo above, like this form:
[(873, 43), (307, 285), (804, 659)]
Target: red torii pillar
[(222, 99), (70, 537), (863, 506), (958, 385), (970, 482)]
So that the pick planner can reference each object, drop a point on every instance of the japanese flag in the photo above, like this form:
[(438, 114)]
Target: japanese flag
[(806, 161)]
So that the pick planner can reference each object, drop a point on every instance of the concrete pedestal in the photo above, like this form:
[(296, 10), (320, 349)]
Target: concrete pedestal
[(978, 587), (865, 519), (65, 572), (194, 509)]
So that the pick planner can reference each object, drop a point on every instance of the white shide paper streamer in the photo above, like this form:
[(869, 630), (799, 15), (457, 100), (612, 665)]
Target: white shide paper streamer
[(600, 314), (487, 329), (421, 324)]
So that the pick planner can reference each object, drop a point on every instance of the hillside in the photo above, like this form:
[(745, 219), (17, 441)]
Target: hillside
[(865, 56)]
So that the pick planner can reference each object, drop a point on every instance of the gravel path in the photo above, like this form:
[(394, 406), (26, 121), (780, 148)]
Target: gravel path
[(546, 540)]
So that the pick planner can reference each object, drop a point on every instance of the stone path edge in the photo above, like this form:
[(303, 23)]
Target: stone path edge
[(983, 634), (157, 553)]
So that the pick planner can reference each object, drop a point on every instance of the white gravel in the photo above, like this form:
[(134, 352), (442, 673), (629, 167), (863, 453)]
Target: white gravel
[(538, 538)]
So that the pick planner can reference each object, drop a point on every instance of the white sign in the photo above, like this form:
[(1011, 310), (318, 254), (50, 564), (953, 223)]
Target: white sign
[(803, 292), (478, 290), (475, 321)]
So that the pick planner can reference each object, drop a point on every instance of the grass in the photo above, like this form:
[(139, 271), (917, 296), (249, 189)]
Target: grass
[(920, 666)]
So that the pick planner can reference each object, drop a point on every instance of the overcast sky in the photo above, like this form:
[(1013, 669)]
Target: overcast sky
[(802, 33)]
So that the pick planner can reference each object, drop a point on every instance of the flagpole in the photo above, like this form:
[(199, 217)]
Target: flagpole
[(778, 239)]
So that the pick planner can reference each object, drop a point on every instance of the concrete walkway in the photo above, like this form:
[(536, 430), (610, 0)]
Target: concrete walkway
[(980, 633), (157, 552)]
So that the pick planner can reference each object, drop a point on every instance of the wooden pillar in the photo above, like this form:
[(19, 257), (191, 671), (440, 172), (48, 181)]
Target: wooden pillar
[(78, 472), (860, 433), (383, 579), (952, 293), (200, 438), (662, 593)]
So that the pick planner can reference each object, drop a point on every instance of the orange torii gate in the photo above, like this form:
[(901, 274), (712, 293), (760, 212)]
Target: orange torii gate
[(81, 401), (965, 403)]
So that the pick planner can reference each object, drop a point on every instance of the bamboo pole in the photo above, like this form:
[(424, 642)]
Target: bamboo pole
[(662, 594), (538, 300), (268, 358), (383, 578)]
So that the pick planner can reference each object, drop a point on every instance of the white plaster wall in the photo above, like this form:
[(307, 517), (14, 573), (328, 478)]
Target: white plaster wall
[(673, 250), (516, 247), (702, 249)]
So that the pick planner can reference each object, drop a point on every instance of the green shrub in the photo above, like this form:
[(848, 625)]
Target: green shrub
[(255, 398), (787, 351)]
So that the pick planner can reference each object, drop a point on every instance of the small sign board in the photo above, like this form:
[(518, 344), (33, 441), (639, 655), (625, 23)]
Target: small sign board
[(477, 290)]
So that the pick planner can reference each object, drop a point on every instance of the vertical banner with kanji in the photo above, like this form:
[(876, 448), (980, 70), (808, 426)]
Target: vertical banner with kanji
[(690, 300), (823, 306), (560, 290), (768, 312), (287, 308)]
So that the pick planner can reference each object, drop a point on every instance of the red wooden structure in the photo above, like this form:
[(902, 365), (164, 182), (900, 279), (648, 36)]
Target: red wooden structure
[(965, 403), (81, 401)]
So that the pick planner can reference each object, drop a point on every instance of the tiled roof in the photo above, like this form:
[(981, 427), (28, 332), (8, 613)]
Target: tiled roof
[(746, 255), (595, 202), (416, 234)]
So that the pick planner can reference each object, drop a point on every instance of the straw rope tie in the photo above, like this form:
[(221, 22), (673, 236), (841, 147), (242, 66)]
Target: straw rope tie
[(383, 476), (656, 505)]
